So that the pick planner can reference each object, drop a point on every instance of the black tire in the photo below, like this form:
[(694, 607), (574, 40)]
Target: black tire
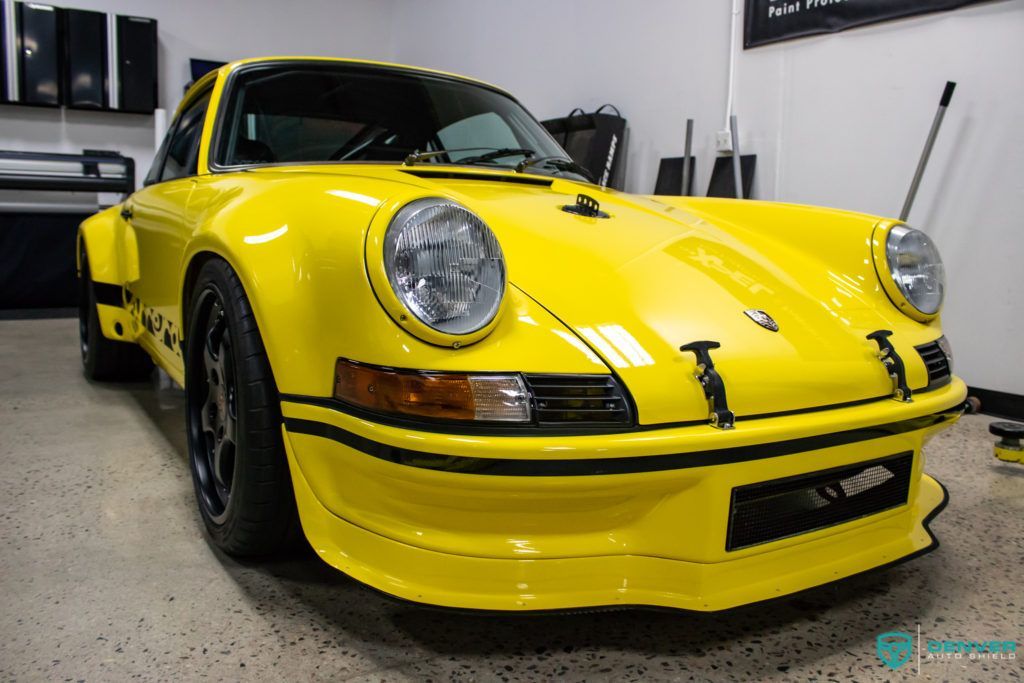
[(105, 360), (236, 454)]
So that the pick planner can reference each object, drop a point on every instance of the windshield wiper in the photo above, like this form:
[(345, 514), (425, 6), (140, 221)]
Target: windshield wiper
[(495, 153), (498, 154), (560, 163), (421, 156)]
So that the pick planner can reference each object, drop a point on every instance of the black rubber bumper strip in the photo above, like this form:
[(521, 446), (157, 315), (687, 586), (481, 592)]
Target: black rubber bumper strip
[(108, 294), (518, 467)]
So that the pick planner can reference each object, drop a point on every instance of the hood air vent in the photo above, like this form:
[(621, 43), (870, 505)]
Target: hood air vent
[(481, 177)]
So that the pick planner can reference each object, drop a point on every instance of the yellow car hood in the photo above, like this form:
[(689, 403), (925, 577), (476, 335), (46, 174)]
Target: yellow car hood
[(652, 277), (638, 285)]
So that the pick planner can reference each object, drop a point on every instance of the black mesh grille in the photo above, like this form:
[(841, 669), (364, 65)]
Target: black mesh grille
[(937, 364), (771, 510), (578, 400)]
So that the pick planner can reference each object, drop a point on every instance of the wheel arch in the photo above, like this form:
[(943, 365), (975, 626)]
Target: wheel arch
[(188, 283), (274, 294)]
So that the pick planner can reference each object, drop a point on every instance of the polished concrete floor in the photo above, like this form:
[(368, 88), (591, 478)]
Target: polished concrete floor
[(105, 574)]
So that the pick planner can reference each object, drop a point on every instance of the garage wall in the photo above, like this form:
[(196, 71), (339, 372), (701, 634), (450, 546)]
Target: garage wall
[(219, 30), (835, 120)]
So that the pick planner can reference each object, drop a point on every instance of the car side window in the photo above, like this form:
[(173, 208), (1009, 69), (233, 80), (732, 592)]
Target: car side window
[(158, 160), (183, 145)]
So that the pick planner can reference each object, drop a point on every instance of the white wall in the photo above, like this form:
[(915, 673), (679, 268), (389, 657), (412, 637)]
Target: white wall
[(835, 120), (219, 30)]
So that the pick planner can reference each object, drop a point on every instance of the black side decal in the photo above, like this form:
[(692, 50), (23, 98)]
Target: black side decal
[(160, 328), (108, 294)]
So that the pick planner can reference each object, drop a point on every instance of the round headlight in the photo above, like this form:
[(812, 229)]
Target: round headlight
[(916, 267), (445, 265)]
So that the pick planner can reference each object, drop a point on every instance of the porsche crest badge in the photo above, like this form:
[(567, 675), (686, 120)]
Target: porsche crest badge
[(762, 319)]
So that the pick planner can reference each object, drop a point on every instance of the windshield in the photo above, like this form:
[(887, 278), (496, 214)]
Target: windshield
[(299, 113)]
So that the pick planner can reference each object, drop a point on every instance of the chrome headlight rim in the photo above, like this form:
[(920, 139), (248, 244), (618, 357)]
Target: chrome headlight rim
[(890, 277), (380, 247)]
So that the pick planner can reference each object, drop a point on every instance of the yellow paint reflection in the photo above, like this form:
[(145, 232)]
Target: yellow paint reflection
[(626, 344), (583, 348), (523, 546), (617, 345), (267, 236), (355, 196)]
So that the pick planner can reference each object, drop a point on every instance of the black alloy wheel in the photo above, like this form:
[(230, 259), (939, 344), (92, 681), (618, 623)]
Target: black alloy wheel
[(214, 456), (236, 452)]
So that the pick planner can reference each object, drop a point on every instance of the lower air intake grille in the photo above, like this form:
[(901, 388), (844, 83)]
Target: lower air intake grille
[(937, 364), (768, 511), (583, 400)]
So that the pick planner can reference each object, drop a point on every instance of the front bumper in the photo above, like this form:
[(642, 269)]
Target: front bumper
[(638, 518)]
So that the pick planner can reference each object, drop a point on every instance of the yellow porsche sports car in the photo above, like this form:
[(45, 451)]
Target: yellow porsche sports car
[(410, 326)]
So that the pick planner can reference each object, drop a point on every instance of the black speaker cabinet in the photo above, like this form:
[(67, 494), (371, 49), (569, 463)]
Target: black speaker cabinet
[(137, 64), (670, 177), (4, 47), (38, 54), (85, 59), (723, 180)]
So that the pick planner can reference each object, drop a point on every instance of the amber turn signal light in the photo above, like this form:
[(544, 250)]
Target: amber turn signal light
[(432, 395)]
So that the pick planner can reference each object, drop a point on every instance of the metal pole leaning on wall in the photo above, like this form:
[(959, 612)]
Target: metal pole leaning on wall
[(737, 175), (687, 180), (947, 95)]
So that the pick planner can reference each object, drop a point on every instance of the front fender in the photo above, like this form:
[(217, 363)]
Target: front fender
[(297, 244), (109, 244)]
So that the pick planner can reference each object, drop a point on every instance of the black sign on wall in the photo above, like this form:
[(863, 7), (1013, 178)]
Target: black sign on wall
[(769, 21)]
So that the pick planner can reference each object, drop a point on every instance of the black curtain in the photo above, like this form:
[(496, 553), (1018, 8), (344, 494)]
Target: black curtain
[(37, 260)]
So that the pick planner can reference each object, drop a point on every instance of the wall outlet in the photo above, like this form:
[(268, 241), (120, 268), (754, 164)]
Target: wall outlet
[(723, 141)]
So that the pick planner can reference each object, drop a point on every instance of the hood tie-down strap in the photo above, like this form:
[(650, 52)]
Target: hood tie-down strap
[(714, 388), (893, 364)]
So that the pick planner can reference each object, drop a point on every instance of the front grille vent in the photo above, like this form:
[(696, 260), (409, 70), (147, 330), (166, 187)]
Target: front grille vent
[(772, 510), (936, 363), (582, 400)]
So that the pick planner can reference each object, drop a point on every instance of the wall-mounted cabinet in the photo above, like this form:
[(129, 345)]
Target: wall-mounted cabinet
[(4, 51), (85, 59), (38, 53), (136, 63), (77, 58)]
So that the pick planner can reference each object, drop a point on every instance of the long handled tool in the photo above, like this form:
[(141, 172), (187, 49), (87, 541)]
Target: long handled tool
[(947, 95), (687, 179), (736, 173)]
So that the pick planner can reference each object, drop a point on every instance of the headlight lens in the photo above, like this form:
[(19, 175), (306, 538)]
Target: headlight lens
[(916, 267), (445, 265)]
